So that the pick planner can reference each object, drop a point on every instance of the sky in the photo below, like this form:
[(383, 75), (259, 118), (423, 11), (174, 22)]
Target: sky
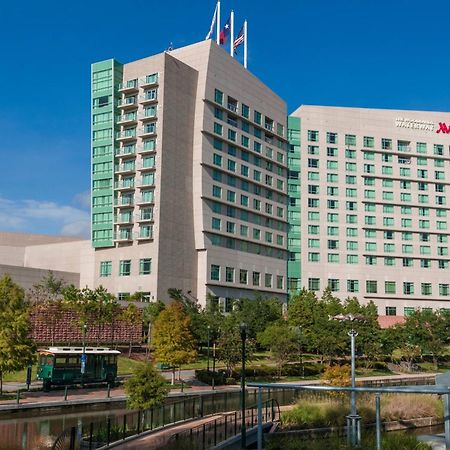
[(359, 53)]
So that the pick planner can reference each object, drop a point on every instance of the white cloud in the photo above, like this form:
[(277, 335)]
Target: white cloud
[(48, 217), (83, 199)]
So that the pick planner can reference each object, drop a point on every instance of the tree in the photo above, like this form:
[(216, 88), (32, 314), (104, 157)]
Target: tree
[(49, 289), (150, 314), (429, 330), (132, 316), (16, 348), (229, 346), (257, 313), (172, 339), (146, 388), (282, 342), (93, 307)]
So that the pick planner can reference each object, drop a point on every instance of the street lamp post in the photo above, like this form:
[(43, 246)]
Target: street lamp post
[(353, 419), (207, 354), (243, 330), (83, 355)]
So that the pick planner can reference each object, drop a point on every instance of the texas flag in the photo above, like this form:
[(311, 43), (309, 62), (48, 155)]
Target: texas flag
[(225, 33)]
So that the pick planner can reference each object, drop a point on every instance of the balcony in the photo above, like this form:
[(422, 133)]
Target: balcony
[(149, 80), (124, 202), (127, 102), (125, 152), (233, 107), (145, 201), (118, 186), (119, 220), (145, 218), (142, 150), (127, 118), (148, 130), (148, 115), (127, 135), (129, 86), (149, 97), (125, 168), (146, 236), (143, 168), (123, 237)]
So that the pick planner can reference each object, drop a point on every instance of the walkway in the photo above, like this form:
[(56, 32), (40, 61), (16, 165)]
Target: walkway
[(157, 439)]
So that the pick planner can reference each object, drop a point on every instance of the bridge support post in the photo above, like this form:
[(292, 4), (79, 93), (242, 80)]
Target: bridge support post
[(260, 424)]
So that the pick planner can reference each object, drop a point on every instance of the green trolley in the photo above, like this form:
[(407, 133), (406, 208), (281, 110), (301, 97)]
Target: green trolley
[(63, 365)]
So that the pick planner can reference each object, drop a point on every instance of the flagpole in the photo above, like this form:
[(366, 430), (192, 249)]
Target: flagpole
[(218, 23), (245, 43), (232, 34)]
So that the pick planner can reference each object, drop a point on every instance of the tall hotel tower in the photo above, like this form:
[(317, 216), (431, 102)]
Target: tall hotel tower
[(371, 190), (189, 170)]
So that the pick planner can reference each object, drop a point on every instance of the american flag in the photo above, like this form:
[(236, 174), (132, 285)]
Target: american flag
[(239, 38)]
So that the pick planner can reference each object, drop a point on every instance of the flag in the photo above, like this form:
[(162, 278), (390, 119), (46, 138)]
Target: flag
[(225, 33), (239, 38), (213, 22)]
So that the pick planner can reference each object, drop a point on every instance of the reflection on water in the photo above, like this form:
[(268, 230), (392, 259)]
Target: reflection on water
[(18, 432)]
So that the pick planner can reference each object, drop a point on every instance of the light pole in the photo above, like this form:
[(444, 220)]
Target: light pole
[(207, 354), (353, 419), (243, 330), (83, 355)]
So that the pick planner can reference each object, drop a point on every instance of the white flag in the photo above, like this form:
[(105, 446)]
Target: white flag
[(213, 22)]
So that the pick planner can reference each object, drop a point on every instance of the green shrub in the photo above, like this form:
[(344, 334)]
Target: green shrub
[(206, 377)]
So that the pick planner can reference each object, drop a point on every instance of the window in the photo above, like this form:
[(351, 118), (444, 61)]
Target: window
[(351, 154), (444, 289), (368, 142), (350, 167), (218, 128), (229, 274), (389, 261), (352, 259), (371, 286), (215, 272), (313, 284), (407, 262), (125, 267), (333, 257), (280, 281), (391, 311), (352, 285), (243, 276), (421, 147), (332, 138), (256, 276), (145, 266), (425, 288), (333, 284), (313, 257), (268, 280), (313, 136), (332, 152), (386, 144), (350, 139), (105, 268), (218, 96), (408, 288)]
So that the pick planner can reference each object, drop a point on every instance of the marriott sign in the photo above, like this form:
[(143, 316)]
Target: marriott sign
[(426, 125)]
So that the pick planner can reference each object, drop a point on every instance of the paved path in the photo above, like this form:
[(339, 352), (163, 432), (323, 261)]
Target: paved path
[(118, 393), (159, 438)]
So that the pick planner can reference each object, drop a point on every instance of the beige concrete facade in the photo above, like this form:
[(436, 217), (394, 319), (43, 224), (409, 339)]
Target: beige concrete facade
[(27, 258), (194, 230), (375, 205)]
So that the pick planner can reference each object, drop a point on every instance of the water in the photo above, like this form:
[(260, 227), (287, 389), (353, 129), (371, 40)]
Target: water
[(21, 432)]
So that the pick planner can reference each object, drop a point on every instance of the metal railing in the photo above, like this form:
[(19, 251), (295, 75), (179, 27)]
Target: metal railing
[(212, 433), (101, 433)]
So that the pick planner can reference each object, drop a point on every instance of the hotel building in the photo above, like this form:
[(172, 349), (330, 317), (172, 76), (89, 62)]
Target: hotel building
[(368, 205), (189, 177)]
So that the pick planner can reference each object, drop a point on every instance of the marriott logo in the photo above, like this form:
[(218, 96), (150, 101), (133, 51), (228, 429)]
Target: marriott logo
[(443, 128)]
